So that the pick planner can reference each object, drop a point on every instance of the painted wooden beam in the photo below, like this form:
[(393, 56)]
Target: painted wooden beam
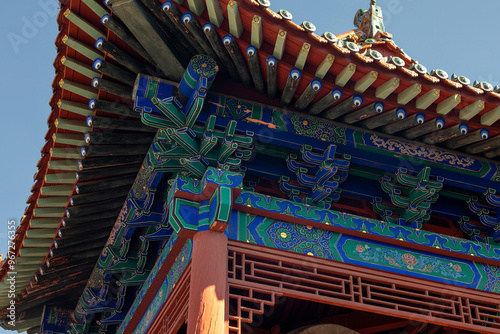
[(72, 241), (451, 132), (234, 19), (113, 137), (363, 113), (235, 54), (386, 89), (30, 252), (80, 248), (471, 110), (79, 67), (81, 48), (291, 85), (112, 150), (302, 57), (257, 38), (40, 233), (65, 152), (491, 117), (365, 82), (255, 72), (120, 192), (279, 46), (71, 124), (196, 6), (325, 66), (390, 116), (69, 224), (84, 210), (424, 101), (108, 162), (48, 212), (107, 172), (215, 14), (60, 190), (113, 71), (345, 75), (346, 106), (75, 107), (45, 222), (471, 138), (409, 93), (196, 30), (408, 122), (144, 28), (112, 87), (175, 16), (68, 138), (325, 102), (52, 202), (483, 146), (125, 35), (65, 165), (113, 107), (78, 88), (447, 105), (45, 242), (215, 42), (84, 25), (60, 178), (492, 154), (117, 124), (272, 80), (424, 129), (308, 94)]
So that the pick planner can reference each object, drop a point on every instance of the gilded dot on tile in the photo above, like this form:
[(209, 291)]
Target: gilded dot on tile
[(309, 227), (283, 235), (310, 254)]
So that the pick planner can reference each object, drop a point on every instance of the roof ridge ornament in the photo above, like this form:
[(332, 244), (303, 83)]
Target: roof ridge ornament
[(370, 24)]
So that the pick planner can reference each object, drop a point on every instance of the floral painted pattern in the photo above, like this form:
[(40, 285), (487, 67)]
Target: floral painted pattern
[(301, 239), (317, 129), (406, 260)]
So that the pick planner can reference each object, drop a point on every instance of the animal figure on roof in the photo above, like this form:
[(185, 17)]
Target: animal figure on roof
[(370, 23)]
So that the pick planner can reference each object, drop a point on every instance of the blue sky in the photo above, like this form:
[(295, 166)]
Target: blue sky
[(456, 36)]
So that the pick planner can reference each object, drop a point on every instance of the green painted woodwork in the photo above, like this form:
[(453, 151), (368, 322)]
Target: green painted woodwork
[(75, 107), (196, 6), (80, 67), (74, 139), (33, 260), (87, 27), (52, 202), (95, 7), (61, 178), (31, 252), (233, 14), (41, 233), (45, 242), (81, 48), (66, 165), (78, 88), (48, 212), (45, 222), (215, 12), (70, 124), (65, 152), (62, 190)]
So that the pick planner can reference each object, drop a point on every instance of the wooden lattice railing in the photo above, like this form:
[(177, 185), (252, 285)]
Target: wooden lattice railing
[(273, 273)]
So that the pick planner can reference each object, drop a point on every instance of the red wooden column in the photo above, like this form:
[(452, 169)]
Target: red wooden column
[(208, 296)]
